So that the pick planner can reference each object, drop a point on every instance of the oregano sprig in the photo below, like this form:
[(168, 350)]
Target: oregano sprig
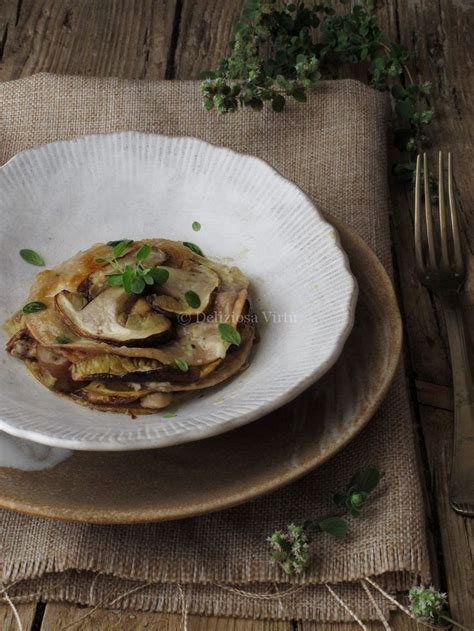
[(133, 278), (290, 548), (280, 50)]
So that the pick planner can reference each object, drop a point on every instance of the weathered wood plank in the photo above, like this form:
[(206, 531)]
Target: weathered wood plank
[(205, 30), (457, 533), (122, 38), (434, 396), (26, 613), (60, 616), (398, 622)]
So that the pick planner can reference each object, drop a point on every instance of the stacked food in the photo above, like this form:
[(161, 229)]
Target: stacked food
[(123, 325)]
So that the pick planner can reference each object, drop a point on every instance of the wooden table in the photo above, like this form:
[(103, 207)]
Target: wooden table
[(177, 39)]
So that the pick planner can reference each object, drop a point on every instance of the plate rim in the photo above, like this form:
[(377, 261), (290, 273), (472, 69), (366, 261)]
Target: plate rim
[(204, 431), (120, 516)]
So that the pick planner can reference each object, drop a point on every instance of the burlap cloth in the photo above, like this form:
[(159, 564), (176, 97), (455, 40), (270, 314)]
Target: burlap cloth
[(334, 147)]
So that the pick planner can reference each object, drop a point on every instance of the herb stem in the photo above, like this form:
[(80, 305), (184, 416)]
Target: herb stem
[(456, 624)]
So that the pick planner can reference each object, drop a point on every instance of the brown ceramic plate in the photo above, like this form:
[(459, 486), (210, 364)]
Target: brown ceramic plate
[(219, 472)]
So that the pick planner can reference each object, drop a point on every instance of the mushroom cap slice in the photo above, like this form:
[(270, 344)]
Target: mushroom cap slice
[(191, 277), (106, 318), (92, 285)]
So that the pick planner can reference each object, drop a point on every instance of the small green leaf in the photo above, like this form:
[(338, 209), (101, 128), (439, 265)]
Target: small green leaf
[(62, 339), (138, 285), (34, 307), (148, 278), (365, 480), (182, 365), (193, 247), (192, 299), (102, 259), (159, 275), (299, 95), (128, 277), (404, 109), (32, 257), (278, 103), (143, 252), (119, 248), (207, 74), (398, 92), (335, 526), (169, 415), (115, 280), (229, 334), (196, 226)]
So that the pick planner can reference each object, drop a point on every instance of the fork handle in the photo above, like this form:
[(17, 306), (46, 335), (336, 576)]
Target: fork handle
[(461, 484)]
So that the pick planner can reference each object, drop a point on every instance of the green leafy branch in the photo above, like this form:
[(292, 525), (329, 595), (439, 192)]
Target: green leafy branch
[(280, 50), (133, 278), (290, 548)]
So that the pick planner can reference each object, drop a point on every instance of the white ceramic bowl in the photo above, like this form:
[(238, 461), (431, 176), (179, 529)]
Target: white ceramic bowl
[(60, 198)]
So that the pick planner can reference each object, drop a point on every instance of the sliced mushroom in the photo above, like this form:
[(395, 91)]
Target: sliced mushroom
[(156, 401), (234, 363), (198, 279), (57, 367), (22, 345), (95, 283), (105, 318)]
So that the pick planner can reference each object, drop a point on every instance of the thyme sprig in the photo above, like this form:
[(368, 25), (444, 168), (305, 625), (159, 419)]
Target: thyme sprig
[(290, 548), (281, 49)]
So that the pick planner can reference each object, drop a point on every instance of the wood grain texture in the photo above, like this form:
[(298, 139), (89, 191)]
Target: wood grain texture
[(121, 38), (457, 534), (26, 613), (398, 622), (59, 617), (205, 30)]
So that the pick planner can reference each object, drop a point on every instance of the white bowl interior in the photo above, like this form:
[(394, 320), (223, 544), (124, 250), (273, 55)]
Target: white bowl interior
[(63, 197)]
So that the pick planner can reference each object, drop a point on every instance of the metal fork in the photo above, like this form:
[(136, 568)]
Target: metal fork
[(441, 268)]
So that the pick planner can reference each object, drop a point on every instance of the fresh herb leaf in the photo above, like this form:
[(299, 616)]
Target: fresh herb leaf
[(229, 334), (62, 339), (32, 257), (119, 248), (115, 280), (34, 307), (143, 252), (127, 279), (102, 259), (193, 247), (148, 278), (196, 226), (290, 547), (335, 526), (169, 415), (280, 50), (358, 489), (192, 299), (137, 285), (365, 480), (159, 275), (182, 365)]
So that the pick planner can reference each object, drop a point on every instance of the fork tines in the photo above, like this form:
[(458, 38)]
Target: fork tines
[(426, 258)]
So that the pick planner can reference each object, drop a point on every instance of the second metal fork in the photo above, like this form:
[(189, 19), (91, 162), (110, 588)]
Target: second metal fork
[(441, 268)]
